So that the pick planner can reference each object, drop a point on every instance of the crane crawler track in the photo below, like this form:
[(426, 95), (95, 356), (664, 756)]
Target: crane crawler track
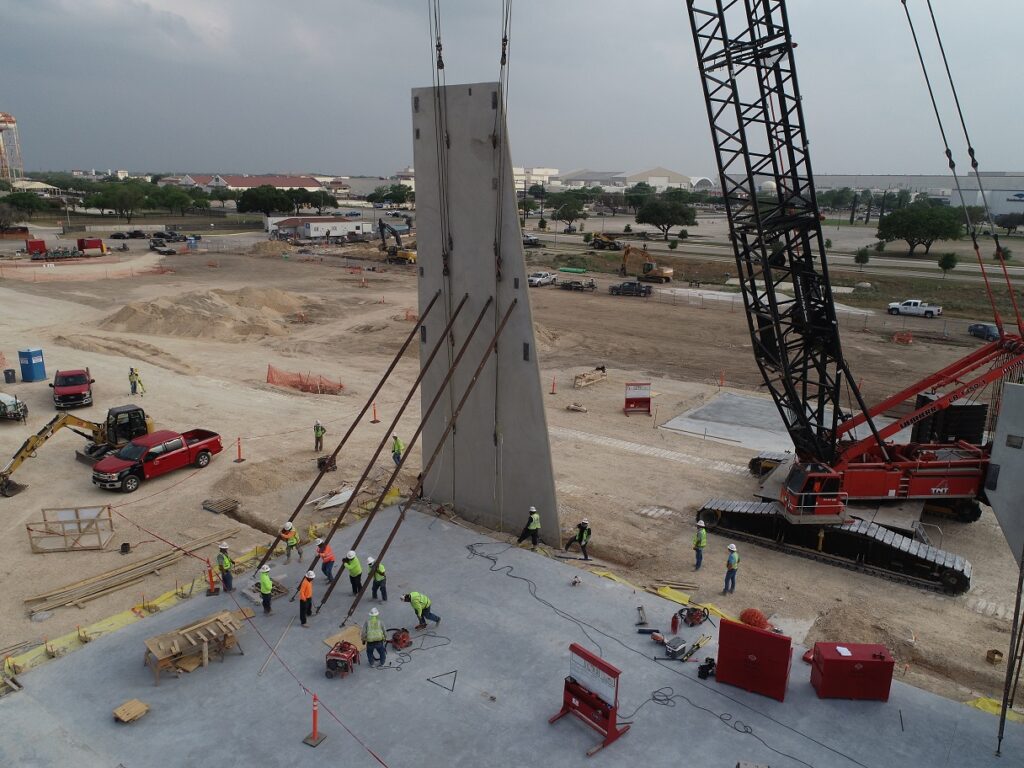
[(856, 545)]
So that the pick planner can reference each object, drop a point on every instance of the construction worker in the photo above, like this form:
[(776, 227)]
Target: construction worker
[(582, 537), (290, 537), (326, 555), (374, 637), (532, 528), (397, 449), (421, 606), (266, 589), (319, 430), (380, 579), (700, 540), (224, 564), (306, 597), (133, 380), (732, 564), (355, 570)]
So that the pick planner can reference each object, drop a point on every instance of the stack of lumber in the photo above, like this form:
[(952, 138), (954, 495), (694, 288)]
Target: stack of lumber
[(83, 591), (587, 378)]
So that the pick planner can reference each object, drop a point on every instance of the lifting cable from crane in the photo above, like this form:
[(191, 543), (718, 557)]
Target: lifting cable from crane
[(952, 167), (974, 168)]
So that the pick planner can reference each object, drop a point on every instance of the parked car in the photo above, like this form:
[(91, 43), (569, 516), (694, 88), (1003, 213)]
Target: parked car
[(914, 307), (578, 285), (162, 235), (531, 241), (165, 251), (353, 214), (137, 234), (118, 235), (153, 455), (986, 331), (569, 230), (631, 288), (540, 278), (72, 388)]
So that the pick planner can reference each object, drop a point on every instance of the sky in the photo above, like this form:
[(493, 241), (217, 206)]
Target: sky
[(253, 86)]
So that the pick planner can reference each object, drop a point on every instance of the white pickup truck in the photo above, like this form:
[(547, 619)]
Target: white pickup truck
[(915, 307)]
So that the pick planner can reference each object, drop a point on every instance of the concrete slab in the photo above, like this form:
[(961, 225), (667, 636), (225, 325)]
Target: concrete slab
[(752, 422), (508, 650)]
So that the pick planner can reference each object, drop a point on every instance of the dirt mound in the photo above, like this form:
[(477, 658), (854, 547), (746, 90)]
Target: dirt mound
[(136, 350), (255, 480), (218, 314), (546, 338), (850, 624), (271, 248)]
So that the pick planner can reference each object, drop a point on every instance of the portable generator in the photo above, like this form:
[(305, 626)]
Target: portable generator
[(341, 659)]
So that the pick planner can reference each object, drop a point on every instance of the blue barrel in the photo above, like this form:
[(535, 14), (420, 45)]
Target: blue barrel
[(32, 366)]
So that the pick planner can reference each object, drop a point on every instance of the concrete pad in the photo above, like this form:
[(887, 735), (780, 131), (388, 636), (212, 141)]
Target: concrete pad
[(753, 422), (509, 653)]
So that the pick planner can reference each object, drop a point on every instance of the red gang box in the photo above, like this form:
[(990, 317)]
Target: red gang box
[(753, 659), (865, 674)]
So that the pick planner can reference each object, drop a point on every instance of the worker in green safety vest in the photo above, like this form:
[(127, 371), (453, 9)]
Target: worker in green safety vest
[(355, 570), (266, 588), (397, 449), (374, 636), (224, 564), (532, 528), (421, 606), (732, 565), (582, 537), (700, 540), (319, 430), (380, 579), (290, 537)]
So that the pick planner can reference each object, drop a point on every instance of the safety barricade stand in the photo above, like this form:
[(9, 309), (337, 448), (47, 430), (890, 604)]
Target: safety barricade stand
[(638, 398), (592, 694)]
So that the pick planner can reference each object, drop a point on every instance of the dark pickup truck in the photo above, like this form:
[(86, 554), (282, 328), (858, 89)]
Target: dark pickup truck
[(153, 455), (631, 288), (578, 285)]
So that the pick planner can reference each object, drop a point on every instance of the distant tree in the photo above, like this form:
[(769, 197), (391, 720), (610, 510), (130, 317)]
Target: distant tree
[(627, 229), (947, 261), (920, 224), (665, 215), (542, 224), (398, 194), (976, 214), (298, 197), (172, 198), (7, 216), (202, 204), (614, 201), (266, 199), (5, 186), (880, 246), (676, 195), (828, 243), (322, 199), (588, 236), (569, 211), (1009, 221), (637, 195), (535, 190), (673, 244), (903, 198), (861, 257), (222, 195), (197, 193), (126, 198), (25, 203), (378, 195), (155, 177), (526, 205)]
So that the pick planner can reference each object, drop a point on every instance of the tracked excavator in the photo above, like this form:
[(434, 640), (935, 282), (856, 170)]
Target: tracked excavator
[(123, 424), (396, 253), (851, 491)]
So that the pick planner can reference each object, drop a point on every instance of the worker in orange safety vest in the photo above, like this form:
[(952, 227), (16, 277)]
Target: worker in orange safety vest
[(306, 597), (326, 555)]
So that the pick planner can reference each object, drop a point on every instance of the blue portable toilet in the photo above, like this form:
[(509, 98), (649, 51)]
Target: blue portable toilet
[(32, 366)]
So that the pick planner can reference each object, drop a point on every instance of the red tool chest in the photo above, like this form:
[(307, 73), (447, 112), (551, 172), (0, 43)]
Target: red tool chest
[(753, 659), (865, 674)]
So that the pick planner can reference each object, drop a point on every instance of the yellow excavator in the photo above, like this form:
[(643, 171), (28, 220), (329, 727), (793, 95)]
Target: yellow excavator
[(396, 253), (123, 423), (637, 263)]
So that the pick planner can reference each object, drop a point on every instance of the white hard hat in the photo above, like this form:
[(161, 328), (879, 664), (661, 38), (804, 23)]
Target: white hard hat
[(265, 569), (370, 561), (223, 545), (351, 554), (732, 547), (318, 422), (533, 509), (374, 612), (287, 526), (319, 542), (584, 521), (700, 524), (310, 575)]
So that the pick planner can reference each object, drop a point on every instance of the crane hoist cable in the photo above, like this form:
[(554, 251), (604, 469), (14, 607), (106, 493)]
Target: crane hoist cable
[(974, 168), (952, 167)]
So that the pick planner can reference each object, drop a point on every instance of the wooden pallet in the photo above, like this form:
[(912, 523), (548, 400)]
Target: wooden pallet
[(131, 710), (585, 379), (221, 506)]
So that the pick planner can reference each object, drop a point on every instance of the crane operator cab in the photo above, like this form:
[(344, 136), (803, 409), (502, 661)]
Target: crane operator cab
[(811, 494)]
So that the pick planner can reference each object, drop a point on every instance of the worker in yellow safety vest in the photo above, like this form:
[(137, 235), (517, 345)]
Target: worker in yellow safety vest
[(397, 449), (374, 636), (355, 570), (380, 579), (266, 588), (532, 528), (224, 564), (319, 430), (421, 606), (306, 597), (290, 537), (582, 537), (700, 540), (732, 565)]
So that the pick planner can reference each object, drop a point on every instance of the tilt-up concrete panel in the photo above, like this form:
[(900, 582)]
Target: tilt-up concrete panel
[(497, 462)]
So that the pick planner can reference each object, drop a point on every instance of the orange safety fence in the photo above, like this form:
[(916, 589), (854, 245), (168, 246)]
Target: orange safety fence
[(903, 337), (304, 382)]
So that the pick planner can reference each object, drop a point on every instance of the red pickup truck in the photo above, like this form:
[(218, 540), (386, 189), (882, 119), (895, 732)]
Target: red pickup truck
[(71, 388), (153, 455)]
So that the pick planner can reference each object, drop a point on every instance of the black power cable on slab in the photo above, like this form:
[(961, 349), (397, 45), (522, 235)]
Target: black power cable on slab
[(664, 696), (405, 656)]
